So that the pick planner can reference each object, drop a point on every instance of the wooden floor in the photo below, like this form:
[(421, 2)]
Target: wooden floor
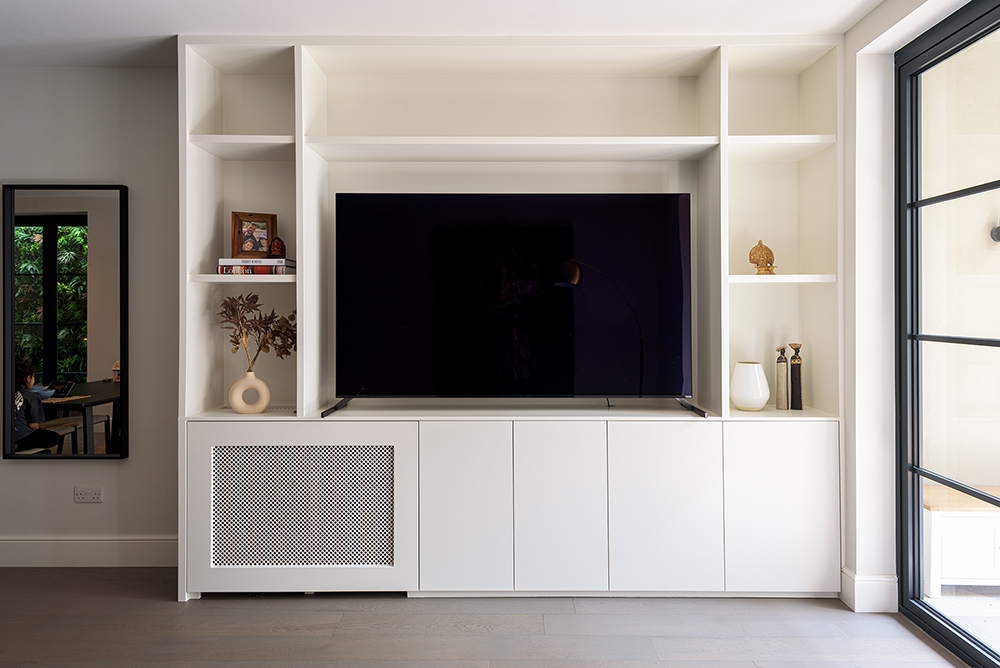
[(117, 617)]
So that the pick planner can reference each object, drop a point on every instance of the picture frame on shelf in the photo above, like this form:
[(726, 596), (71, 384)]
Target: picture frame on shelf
[(252, 233)]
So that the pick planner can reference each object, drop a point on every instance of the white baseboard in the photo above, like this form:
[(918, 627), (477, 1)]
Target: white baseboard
[(89, 550), (869, 593)]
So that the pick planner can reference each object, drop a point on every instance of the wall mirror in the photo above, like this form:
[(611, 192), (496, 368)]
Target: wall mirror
[(65, 255)]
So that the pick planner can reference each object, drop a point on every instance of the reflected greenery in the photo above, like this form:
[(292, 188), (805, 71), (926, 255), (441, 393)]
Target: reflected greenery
[(71, 299)]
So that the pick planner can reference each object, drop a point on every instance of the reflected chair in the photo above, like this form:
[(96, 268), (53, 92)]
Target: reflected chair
[(64, 426)]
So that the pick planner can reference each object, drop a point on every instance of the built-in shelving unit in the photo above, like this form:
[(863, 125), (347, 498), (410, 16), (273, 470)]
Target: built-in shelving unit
[(784, 189), (751, 127)]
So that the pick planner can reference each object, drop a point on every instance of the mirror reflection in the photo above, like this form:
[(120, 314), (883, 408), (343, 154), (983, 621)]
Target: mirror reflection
[(65, 329)]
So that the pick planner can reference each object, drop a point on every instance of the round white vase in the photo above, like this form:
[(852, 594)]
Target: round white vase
[(249, 382), (748, 388)]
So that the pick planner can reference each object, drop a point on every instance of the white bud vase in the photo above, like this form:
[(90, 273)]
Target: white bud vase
[(249, 382), (748, 388)]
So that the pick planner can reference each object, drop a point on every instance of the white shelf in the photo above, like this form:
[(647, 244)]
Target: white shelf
[(247, 147), (512, 409), (242, 278), (777, 147), (769, 412), (226, 413), (753, 279), (500, 149)]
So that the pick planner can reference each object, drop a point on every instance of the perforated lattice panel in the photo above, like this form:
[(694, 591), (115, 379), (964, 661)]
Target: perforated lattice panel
[(302, 505)]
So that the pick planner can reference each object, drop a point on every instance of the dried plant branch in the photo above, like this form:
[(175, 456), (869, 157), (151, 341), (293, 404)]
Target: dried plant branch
[(247, 324)]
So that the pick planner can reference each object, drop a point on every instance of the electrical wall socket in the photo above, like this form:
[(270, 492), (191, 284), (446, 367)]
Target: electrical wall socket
[(88, 494)]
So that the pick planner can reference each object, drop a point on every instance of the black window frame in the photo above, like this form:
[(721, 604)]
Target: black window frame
[(966, 26)]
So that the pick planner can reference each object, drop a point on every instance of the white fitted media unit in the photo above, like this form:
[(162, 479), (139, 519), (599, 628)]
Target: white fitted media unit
[(568, 497)]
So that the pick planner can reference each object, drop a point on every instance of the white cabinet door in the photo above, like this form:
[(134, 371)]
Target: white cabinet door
[(560, 506), (466, 506), (665, 506), (782, 485), (301, 506)]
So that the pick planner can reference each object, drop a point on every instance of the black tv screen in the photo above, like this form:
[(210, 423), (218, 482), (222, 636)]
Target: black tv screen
[(513, 295)]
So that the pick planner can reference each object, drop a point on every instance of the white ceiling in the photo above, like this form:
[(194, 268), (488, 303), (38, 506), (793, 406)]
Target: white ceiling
[(138, 32)]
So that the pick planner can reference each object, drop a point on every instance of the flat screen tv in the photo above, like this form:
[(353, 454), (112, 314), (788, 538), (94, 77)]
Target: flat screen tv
[(513, 295)]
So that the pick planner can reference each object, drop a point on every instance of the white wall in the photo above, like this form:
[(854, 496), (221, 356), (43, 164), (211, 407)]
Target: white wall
[(869, 582), (117, 126)]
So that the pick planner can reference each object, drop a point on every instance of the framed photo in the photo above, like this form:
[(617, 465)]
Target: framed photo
[(252, 233)]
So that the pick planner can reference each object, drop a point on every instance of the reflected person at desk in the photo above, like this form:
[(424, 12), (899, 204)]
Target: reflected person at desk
[(28, 413)]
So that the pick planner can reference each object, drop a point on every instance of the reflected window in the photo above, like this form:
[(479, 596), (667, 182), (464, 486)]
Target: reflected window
[(50, 295)]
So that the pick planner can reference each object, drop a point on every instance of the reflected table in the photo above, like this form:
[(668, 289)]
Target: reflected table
[(85, 397)]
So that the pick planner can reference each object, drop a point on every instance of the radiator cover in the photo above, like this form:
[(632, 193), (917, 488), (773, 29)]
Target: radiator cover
[(302, 505)]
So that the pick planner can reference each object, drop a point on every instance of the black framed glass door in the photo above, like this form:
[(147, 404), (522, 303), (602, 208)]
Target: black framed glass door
[(948, 331)]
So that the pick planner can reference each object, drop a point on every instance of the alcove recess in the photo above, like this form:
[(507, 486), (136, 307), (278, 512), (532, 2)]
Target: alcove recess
[(784, 189), (749, 127), (239, 115)]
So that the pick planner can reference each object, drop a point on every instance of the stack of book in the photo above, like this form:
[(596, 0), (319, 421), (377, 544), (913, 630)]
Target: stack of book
[(256, 265)]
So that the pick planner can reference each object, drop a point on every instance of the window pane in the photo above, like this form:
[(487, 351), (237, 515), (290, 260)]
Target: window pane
[(27, 250), (28, 299), (71, 250), (959, 123), (72, 349), (961, 569), (28, 345), (960, 267), (960, 403), (72, 298)]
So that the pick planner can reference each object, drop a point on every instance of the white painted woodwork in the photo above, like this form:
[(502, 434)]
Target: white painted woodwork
[(782, 484), (466, 506), (560, 506), (665, 514), (510, 149), (247, 147), (749, 126), (202, 576)]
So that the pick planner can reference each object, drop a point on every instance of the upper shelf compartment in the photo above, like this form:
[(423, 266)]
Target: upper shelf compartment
[(504, 149), (783, 90), (240, 89), (519, 91)]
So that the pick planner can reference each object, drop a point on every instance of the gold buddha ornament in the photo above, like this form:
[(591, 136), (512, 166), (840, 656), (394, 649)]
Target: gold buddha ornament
[(762, 258)]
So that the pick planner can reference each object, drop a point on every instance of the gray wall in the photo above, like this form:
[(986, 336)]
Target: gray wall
[(105, 125)]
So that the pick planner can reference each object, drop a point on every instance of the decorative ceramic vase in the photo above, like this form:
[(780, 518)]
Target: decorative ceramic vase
[(748, 388), (249, 382)]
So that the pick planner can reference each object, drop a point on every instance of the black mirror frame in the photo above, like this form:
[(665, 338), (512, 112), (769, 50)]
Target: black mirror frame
[(8, 314)]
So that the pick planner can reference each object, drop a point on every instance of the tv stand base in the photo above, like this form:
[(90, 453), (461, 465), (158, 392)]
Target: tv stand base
[(697, 410), (336, 407)]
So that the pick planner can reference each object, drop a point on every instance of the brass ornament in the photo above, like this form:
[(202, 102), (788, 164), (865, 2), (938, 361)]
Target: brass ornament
[(762, 258)]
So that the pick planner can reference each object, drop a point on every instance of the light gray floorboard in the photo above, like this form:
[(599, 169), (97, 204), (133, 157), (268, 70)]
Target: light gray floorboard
[(127, 617)]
